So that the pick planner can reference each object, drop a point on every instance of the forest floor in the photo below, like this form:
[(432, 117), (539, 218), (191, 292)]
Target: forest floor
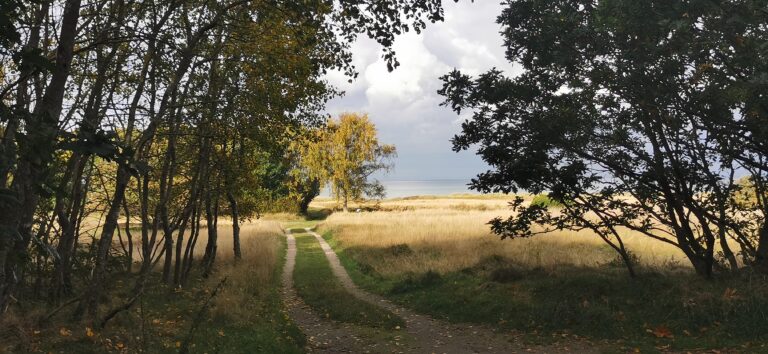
[(246, 316)]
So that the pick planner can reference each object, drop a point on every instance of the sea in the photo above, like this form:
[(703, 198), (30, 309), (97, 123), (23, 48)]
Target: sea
[(401, 189)]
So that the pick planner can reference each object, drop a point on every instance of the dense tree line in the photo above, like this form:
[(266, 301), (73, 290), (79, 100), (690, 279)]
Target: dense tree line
[(120, 117), (643, 116)]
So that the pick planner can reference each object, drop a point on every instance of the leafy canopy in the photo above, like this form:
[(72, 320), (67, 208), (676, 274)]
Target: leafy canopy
[(345, 154), (640, 114)]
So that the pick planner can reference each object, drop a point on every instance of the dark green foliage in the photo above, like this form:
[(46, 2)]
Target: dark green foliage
[(314, 214), (9, 34), (641, 114)]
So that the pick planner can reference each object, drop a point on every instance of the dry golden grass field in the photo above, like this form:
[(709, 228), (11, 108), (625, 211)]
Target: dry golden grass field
[(447, 234)]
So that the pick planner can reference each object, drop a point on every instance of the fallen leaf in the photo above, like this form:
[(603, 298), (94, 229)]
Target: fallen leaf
[(65, 332), (89, 332), (662, 332)]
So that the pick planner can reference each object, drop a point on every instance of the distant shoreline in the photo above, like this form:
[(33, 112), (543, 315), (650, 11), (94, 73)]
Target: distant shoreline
[(409, 188)]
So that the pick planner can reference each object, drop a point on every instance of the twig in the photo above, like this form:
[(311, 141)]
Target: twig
[(122, 307), (61, 307), (199, 318)]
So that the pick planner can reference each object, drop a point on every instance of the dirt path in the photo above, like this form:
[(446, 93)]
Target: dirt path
[(434, 336), (325, 336)]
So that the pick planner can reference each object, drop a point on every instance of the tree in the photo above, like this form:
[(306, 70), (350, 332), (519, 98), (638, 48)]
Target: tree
[(303, 184), (634, 115), (158, 113), (344, 155)]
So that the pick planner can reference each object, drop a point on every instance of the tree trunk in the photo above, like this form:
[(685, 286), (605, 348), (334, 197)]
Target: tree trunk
[(89, 302), (308, 196), (235, 226), (168, 258), (189, 253), (17, 211), (129, 261), (761, 256), (179, 247), (210, 249)]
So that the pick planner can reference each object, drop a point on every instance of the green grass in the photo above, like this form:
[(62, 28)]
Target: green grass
[(600, 304), (316, 284), (299, 226)]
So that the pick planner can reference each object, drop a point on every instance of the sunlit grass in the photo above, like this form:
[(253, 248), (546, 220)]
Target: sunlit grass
[(438, 257), (444, 236)]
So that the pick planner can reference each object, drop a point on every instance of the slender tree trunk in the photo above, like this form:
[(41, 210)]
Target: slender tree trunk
[(761, 256), (192, 243), (89, 302), (210, 249), (129, 261), (235, 226), (177, 269), (168, 258)]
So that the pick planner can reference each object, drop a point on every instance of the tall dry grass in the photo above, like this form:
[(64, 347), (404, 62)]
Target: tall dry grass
[(450, 234), (457, 201), (250, 279)]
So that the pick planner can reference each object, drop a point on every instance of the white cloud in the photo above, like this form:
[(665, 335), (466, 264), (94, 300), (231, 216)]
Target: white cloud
[(405, 105)]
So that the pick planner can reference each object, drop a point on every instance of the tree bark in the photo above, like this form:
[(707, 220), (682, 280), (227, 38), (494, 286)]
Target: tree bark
[(211, 220), (235, 226)]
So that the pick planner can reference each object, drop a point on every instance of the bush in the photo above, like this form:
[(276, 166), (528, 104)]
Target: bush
[(545, 201), (399, 250)]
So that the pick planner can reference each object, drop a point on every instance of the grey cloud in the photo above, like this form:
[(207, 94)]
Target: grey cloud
[(405, 105)]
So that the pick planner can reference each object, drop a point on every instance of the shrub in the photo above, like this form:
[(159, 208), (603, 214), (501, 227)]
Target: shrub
[(399, 250), (544, 200)]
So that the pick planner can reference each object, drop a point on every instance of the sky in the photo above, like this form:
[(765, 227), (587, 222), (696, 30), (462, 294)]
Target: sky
[(404, 104)]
